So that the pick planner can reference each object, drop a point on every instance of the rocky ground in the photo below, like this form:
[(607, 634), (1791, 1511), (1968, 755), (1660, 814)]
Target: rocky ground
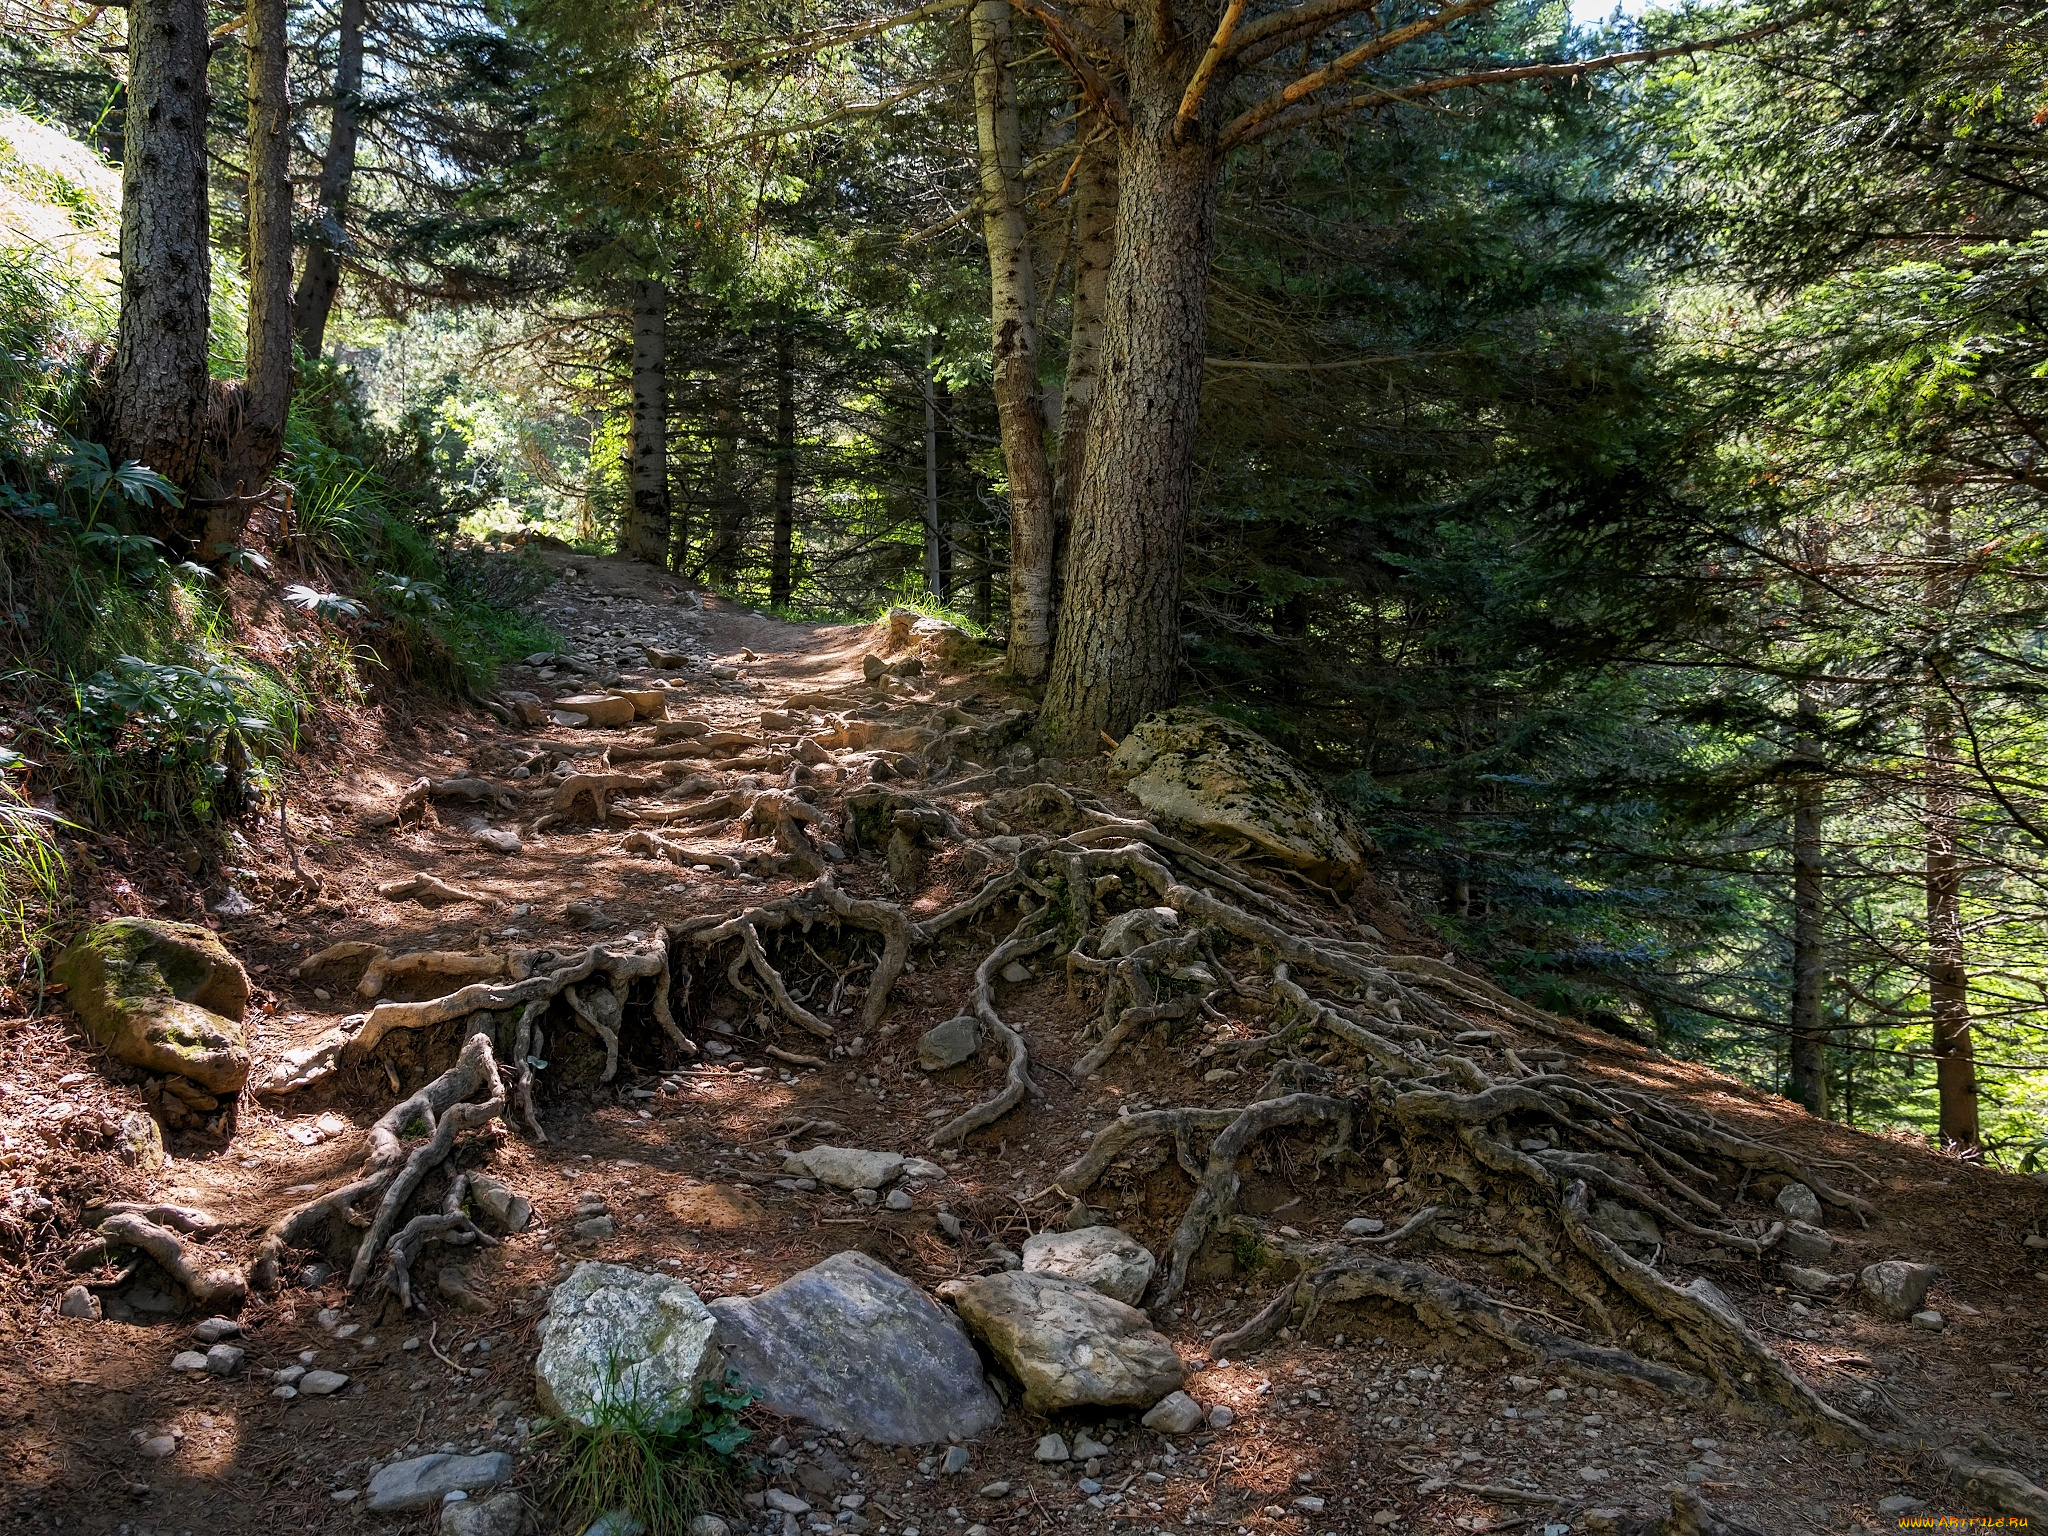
[(1383, 1411)]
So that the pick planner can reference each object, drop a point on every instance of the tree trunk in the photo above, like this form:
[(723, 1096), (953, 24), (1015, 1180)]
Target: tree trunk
[(1013, 308), (269, 364), (160, 372), (646, 534), (1095, 194), (320, 275), (936, 573), (728, 511), (1118, 652), (784, 554), (1809, 1036), (1948, 983)]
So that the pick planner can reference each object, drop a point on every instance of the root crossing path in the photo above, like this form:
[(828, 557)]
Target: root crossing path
[(702, 890)]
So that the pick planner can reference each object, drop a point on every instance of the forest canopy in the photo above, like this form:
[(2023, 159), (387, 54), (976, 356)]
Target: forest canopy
[(1610, 454)]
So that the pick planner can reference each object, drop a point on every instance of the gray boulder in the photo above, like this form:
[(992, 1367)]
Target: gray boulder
[(948, 1044), (1199, 770), (844, 1167), (1803, 1244), (1175, 1414), (1067, 1344), (615, 1337), (1798, 1203), (852, 1346), (1896, 1288), (427, 1480), (502, 1514), (1111, 1261)]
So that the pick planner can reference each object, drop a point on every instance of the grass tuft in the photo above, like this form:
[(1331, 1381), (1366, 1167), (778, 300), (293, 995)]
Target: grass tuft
[(662, 1469)]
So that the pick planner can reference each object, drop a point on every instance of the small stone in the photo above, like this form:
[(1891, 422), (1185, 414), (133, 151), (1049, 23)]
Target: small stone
[(995, 1490), (1309, 1504), (787, 1503), (1016, 973), (79, 1302), (322, 1383), (1175, 1414), (865, 1197), (956, 1462), (319, 1272), (223, 1359), (214, 1329), (1221, 1416), (949, 1044), (348, 1330), (899, 1200), (1593, 1474), (1363, 1226), (709, 1525), (328, 1318), (948, 1224), (289, 1374), (1089, 1485), (188, 1360), (1803, 1244), (423, 1480), (1556, 1395), (156, 1447), (1085, 1449), (1900, 1504), (1896, 1287), (593, 1229), (502, 1514), (1051, 1448), (1799, 1203), (1929, 1319), (323, 994), (343, 1495), (286, 1393)]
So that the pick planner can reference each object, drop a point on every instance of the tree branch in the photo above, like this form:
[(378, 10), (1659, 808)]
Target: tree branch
[(1191, 99), (1105, 97), (1249, 127)]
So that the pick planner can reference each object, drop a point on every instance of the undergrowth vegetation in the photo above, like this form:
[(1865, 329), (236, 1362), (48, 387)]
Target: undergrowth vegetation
[(661, 1469)]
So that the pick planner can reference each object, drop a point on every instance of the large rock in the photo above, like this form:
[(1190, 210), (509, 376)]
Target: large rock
[(854, 1347), (1896, 1288), (617, 1338), (1067, 1344), (605, 709), (1200, 770), (948, 1044), (166, 997), (844, 1167), (1110, 1261), (428, 1479)]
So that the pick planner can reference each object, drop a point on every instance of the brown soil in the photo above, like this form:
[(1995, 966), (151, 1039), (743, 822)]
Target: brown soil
[(1393, 1428)]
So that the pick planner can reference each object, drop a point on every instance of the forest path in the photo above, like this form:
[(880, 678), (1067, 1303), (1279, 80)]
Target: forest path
[(1369, 1423)]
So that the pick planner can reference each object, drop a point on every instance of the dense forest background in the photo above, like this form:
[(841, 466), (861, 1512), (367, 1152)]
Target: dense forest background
[(1622, 481)]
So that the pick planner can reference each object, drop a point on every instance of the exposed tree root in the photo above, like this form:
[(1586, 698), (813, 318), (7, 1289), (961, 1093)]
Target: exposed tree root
[(655, 846), (1016, 1075), (451, 1226)]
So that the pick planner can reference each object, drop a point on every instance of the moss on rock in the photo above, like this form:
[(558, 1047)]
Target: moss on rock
[(166, 997)]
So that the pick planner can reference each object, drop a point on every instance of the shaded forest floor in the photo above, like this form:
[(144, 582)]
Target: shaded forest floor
[(1390, 1427)]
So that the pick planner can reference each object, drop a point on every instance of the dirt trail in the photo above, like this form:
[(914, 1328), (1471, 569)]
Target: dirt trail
[(1364, 1422)]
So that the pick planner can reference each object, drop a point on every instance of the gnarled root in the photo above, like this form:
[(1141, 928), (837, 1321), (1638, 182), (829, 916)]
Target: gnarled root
[(208, 1287), (658, 847), (1016, 1075), (451, 1226)]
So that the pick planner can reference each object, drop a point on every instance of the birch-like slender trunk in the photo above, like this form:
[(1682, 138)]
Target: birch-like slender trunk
[(1020, 410), (1095, 193), (936, 573), (268, 367), (160, 357), (646, 534), (320, 273), (1948, 980), (782, 558)]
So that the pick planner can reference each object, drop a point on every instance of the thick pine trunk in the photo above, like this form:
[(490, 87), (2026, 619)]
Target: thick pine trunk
[(646, 534), (1118, 651), (320, 275), (269, 363), (782, 558), (1948, 981), (1020, 410), (160, 373)]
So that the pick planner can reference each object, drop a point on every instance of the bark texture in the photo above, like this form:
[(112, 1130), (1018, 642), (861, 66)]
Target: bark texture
[(782, 558), (1014, 340), (269, 365), (1095, 193), (320, 273), (938, 566), (1809, 1062), (1948, 980), (160, 373), (646, 533), (1118, 648)]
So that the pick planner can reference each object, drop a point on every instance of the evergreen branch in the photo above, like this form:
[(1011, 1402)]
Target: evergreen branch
[(1107, 99), (1198, 86)]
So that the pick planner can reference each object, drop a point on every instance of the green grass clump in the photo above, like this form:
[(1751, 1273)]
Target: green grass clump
[(662, 1469)]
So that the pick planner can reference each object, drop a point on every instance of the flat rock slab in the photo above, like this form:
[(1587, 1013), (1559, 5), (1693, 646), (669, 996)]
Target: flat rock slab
[(1104, 1258), (604, 709), (427, 1480), (166, 997), (845, 1167), (615, 1336), (1068, 1345), (852, 1346)]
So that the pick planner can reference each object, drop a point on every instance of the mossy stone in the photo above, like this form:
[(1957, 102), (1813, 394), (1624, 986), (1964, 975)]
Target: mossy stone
[(166, 997)]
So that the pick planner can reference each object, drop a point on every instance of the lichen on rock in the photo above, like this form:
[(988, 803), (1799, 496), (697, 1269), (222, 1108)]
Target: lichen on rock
[(166, 997), (1188, 766)]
